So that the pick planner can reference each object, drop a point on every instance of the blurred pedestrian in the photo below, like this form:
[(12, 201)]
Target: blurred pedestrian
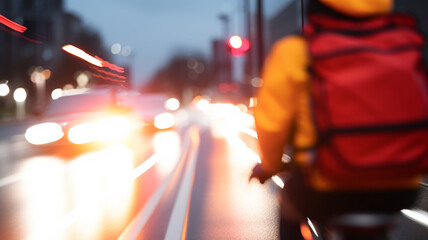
[(289, 117)]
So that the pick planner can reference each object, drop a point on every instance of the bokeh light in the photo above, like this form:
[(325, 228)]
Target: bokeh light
[(4, 89)]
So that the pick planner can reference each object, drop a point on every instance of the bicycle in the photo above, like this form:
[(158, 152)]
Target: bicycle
[(357, 226)]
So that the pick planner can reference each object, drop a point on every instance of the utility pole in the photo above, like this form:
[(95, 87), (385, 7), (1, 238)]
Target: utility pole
[(249, 35), (260, 33), (302, 4), (225, 70)]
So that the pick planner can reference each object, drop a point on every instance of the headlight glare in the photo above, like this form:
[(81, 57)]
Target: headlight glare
[(164, 121), (83, 133), (44, 133), (106, 130)]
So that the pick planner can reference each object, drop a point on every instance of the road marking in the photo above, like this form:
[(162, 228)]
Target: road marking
[(146, 165), (134, 227), (178, 219), (10, 179)]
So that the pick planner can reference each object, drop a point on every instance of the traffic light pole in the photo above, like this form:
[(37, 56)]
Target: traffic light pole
[(302, 4), (260, 39)]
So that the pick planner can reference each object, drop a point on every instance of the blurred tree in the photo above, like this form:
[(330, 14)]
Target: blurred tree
[(181, 73), (49, 27)]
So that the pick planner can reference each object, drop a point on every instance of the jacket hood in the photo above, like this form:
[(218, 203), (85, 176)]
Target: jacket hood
[(360, 8)]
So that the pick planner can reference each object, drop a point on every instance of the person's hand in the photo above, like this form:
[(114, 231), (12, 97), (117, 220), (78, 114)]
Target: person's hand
[(260, 174)]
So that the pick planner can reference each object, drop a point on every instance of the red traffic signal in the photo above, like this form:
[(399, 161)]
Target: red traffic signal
[(238, 45)]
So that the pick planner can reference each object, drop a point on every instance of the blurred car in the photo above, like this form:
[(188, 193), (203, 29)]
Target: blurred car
[(154, 109), (83, 117), (99, 116)]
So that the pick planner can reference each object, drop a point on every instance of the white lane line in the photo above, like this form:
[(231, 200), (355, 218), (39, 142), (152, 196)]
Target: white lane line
[(10, 179), (134, 227), (146, 165), (178, 216)]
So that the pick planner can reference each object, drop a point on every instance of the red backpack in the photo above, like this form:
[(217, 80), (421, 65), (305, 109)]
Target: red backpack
[(370, 97)]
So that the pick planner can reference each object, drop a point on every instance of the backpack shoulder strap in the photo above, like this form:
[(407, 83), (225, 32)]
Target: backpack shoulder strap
[(322, 22)]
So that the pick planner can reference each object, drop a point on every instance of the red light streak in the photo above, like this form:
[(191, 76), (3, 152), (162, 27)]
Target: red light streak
[(108, 78), (108, 73), (20, 35), (11, 24), (110, 65)]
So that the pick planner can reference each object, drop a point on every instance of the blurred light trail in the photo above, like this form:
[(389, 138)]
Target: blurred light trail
[(107, 78), (311, 225), (110, 65), (417, 215), (82, 54), (20, 35), (278, 181), (97, 61), (11, 24), (108, 73)]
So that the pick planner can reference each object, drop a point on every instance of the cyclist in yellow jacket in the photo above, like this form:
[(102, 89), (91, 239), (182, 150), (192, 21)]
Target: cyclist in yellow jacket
[(284, 119)]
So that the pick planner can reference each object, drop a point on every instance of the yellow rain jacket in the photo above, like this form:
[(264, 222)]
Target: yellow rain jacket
[(283, 114)]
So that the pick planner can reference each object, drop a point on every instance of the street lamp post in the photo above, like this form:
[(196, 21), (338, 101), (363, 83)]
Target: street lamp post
[(4, 91), (20, 95), (225, 74), (39, 77), (260, 33)]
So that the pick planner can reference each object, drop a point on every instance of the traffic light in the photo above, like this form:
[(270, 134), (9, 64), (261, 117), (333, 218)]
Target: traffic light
[(238, 46)]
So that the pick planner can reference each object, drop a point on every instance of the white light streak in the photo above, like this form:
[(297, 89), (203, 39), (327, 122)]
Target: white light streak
[(278, 181), (417, 215), (311, 225)]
